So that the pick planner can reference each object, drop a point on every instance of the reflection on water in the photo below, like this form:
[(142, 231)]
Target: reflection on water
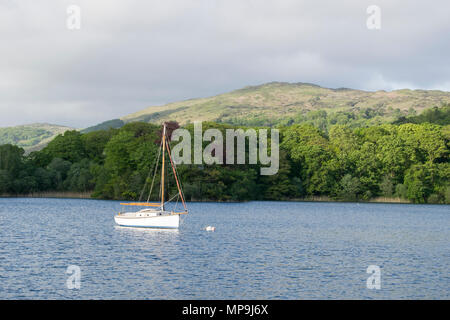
[(260, 250), (154, 232)]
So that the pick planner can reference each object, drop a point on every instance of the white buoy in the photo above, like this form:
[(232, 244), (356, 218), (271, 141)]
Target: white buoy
[(210, 228)]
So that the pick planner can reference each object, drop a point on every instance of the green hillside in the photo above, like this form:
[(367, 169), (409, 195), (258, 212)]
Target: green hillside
[(270, 104), (402, 163), (115, 123), (434, 115), (287, 103), (31, 137)]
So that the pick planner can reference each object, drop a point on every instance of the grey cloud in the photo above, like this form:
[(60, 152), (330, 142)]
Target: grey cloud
[(132, 54)]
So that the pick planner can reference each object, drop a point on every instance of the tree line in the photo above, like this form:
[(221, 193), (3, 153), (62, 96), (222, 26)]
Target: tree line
[(409, 161)]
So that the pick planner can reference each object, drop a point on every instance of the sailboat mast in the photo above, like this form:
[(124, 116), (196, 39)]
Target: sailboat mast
[(176, 178), (162, 169)]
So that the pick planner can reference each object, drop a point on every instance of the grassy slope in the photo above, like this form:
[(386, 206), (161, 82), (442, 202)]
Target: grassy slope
[(277, 101), (31, 137), (272, 102), (115, 123)]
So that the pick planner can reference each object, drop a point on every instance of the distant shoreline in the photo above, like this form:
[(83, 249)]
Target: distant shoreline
[(51, 194), (88, 195)]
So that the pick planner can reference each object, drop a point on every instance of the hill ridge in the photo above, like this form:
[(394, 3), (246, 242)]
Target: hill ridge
[(283, 101), (31, 137)]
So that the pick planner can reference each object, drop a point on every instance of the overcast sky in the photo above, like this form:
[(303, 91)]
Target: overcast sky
[(129, 55)]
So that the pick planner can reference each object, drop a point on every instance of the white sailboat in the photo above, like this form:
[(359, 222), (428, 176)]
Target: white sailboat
[(157, 216)]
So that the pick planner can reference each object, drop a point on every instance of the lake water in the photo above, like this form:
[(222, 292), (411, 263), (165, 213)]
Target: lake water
[(260, 250)]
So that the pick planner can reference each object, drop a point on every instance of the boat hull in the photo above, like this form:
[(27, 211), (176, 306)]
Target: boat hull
[(160, 222)]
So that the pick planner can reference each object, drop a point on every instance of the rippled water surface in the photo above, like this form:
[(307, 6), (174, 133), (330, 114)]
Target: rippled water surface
[(260, 250)]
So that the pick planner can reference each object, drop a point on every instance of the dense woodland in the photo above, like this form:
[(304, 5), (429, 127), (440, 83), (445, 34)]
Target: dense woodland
[(408, 159)]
